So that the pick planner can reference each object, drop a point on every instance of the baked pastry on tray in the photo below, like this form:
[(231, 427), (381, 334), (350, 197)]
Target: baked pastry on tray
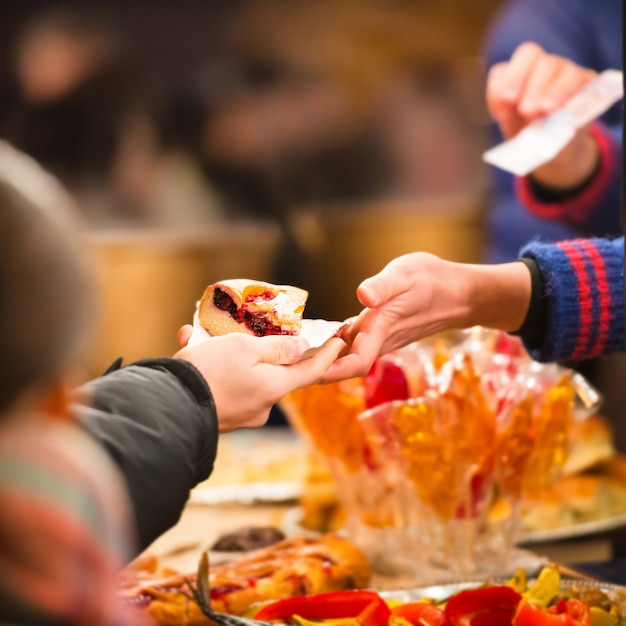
[(292, 567), (252, 307)]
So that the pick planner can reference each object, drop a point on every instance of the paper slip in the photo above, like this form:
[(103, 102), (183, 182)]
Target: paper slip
[(542, 140)]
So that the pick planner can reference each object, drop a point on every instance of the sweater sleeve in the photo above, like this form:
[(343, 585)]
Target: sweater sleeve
[(157, 420), (584, 298), (589, 34), (595, 207)]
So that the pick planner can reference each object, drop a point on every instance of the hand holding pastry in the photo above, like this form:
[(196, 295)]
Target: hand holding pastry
[(253, 354), (534, 83)]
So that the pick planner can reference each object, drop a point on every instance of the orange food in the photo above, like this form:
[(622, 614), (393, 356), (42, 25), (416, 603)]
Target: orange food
[(293, 567), (328, 415)]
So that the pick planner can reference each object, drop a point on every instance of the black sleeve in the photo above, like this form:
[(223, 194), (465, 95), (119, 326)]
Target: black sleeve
[(157, 420), (535, 327)]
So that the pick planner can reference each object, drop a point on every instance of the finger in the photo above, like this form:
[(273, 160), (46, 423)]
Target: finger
[(388, 283), (280, 349), (569, 81), (496, 100), (184, 334), (348, 331), (348, 366), (365, 348), (502, 109), (518, 70), (544, 71), (310, 371)]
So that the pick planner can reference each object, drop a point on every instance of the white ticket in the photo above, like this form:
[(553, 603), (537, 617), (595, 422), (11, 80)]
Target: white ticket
[(542, 140)]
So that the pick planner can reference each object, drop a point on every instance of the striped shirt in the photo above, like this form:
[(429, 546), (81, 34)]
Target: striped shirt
[(64, 527)]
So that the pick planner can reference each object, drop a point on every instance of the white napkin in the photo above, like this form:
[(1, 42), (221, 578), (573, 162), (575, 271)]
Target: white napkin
[(316, 333)]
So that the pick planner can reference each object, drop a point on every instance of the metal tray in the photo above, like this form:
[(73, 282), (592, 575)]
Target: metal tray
[(291, 526), (574, 531)]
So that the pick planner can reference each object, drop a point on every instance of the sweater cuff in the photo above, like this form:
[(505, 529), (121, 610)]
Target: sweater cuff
[(535, 327), (577, 207), (584, 292)]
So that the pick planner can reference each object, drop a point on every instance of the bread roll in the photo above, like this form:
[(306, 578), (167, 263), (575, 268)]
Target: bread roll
[(252, 307)]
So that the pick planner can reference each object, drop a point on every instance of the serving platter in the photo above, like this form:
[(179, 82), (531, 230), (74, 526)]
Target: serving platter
[(437, 593), (291, 526), (440, 592), (574, 531)]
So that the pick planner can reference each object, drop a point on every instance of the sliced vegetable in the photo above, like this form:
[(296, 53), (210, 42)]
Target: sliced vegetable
[(487, 606), (545, 588), (600, 617), (565, 613), (367, 606), (420, 614), (348, 621), (518, 581)]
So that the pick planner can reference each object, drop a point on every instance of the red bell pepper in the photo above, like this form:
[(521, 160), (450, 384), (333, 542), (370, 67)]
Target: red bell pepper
[(421, 614), (487, 606), (367, 606), (564, 613), (386, 381)]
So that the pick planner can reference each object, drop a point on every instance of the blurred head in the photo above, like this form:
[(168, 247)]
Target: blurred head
[(60, 49), (43, 300)]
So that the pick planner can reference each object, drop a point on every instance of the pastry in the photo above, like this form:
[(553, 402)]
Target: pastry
[(252, 307), (293, 567)]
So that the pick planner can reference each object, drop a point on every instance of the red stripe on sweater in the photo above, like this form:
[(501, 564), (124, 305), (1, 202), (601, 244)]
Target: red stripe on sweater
[(577, 259), (604, 296), (576, 209)]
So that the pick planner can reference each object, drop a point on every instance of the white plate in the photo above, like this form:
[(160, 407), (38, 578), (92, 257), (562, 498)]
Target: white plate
[(291, 525), (249, 493)]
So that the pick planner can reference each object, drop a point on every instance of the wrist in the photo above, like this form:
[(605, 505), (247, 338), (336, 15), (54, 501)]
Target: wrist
[(573, 166), (498, 296)]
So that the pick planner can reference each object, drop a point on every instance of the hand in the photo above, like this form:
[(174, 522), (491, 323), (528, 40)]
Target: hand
[(419, 294), (247, 375), (184, 335), (532, 84)]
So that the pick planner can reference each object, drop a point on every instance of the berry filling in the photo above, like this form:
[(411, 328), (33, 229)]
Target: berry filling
[(256, 322)]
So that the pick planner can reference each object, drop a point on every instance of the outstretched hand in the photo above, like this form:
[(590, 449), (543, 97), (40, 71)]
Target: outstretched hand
[(534, 83), (417, 295)]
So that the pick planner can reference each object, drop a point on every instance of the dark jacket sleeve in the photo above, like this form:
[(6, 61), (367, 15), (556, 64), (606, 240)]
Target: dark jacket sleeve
[(157, 420)]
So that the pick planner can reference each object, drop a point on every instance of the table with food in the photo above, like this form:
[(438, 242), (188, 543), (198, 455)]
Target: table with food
[(419, 494)]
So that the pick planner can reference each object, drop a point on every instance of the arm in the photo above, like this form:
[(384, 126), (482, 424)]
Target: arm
[(157, 420), (583, 293), (590, 205), (416, 295), (581, 186)]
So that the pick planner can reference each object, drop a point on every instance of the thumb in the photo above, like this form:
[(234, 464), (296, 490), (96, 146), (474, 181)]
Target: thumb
[(184, 334), (377, 290), (281, 349)]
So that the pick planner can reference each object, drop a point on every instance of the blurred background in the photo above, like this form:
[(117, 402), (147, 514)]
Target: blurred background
[(306, 142)]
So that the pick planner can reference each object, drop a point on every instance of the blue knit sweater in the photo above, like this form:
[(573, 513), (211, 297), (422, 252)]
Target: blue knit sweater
[(584, 291)]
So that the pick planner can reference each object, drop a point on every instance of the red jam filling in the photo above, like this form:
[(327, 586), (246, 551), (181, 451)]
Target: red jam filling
[(256, 322)]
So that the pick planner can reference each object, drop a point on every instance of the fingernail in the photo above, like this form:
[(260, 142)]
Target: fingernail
[(527, 108)]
